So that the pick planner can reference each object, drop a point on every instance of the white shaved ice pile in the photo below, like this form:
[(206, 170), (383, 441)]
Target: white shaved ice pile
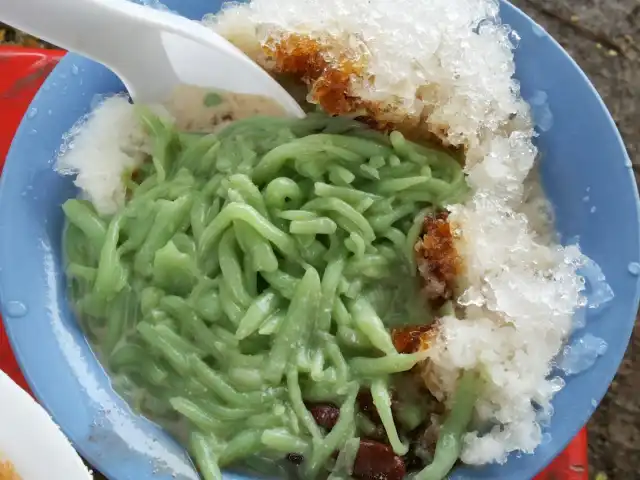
[(447, 64), (100, 148)]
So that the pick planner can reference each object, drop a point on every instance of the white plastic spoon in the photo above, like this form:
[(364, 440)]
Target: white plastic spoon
[(152, 51)]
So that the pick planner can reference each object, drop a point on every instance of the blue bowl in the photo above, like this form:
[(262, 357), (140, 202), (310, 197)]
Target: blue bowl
[(582, 152)]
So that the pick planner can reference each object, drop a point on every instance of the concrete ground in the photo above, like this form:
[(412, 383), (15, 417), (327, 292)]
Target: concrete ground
[(604, 38)]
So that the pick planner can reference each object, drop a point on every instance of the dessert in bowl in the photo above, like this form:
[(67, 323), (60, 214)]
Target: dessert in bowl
[(379, 280)]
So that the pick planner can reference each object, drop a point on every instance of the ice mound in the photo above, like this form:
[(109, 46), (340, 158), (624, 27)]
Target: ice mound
[(103, 146), (100, 148), (449, 60)]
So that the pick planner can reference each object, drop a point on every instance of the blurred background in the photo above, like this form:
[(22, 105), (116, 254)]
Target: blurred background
[(603, 36)]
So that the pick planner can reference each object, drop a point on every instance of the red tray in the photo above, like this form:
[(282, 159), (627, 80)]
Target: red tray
[(22, 71)]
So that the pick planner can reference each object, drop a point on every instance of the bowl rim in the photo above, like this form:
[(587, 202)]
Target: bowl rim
[(22, 136)]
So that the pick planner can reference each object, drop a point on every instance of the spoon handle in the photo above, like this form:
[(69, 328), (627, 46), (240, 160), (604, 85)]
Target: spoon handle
[(82, 26), (102, 30)]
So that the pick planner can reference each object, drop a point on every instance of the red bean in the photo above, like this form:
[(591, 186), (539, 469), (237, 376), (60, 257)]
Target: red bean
[(325, 414), (376, 461)]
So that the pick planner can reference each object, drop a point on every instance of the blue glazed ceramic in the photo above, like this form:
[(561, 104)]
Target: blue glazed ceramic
[(582, 152)]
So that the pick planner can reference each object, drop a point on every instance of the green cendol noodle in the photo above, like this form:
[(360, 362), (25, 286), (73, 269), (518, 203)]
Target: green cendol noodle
[(259, 268)]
